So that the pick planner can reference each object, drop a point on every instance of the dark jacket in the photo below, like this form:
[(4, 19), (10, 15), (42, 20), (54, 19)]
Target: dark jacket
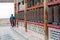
[(12, 18)]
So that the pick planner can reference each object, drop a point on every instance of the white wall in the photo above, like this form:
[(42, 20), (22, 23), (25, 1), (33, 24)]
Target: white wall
[(21, 5), (6, 9)]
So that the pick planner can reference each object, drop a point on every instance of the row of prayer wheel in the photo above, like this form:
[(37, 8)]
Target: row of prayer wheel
[(37, 15)]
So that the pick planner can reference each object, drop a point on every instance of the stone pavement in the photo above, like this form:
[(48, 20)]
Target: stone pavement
[(9, 33), (24, 34), (6, 33)]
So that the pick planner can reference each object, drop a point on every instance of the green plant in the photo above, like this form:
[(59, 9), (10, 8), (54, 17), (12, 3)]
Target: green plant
[(23, 2)]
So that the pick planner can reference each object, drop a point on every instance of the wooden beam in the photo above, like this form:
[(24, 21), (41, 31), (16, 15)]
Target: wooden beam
[(25, 22), (18, 8), (15, 11), (45, 20)]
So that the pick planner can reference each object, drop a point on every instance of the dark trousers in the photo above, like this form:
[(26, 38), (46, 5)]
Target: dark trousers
[(12, 23)]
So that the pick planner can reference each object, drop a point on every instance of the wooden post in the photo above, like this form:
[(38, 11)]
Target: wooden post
[(45, 20), (25, 22), (15, 11), (17, 14), (18, 3)]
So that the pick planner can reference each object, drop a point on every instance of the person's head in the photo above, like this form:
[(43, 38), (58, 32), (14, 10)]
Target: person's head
[(11, 14)]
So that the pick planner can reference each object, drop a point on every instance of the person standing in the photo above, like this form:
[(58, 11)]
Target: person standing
[(12, 18)]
